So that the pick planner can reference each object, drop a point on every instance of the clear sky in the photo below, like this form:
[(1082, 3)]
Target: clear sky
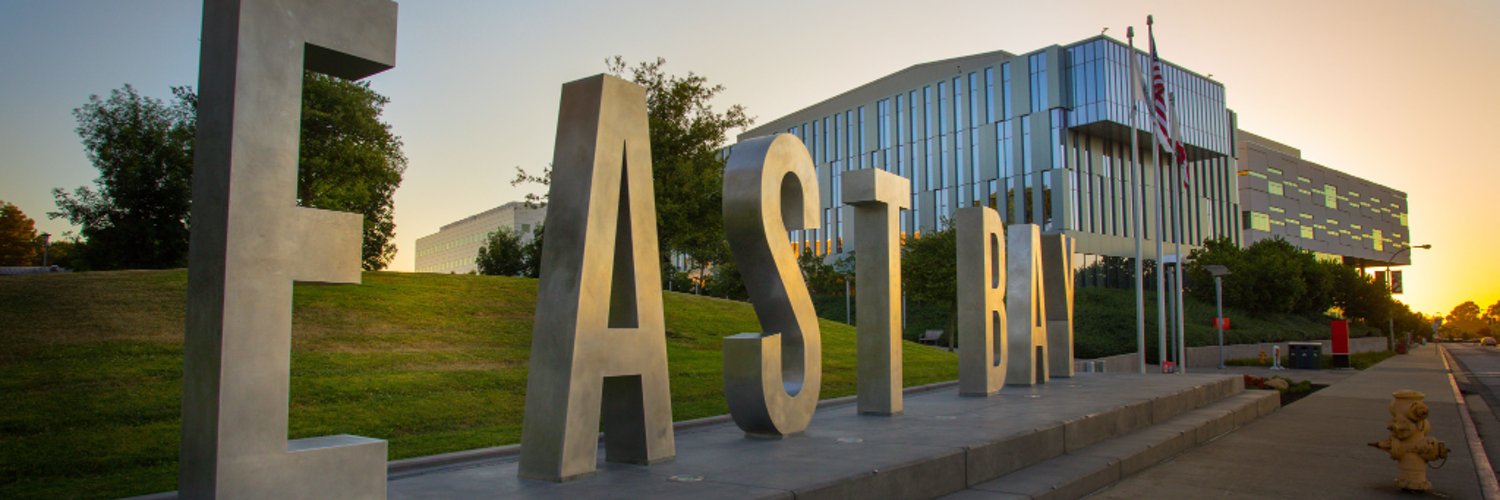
[(1402, 93)]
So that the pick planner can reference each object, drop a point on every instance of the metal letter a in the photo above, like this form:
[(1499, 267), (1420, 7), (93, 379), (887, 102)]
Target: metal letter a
[(600, 339)]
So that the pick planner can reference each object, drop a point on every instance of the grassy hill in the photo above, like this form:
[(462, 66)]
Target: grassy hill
[(91, 369)]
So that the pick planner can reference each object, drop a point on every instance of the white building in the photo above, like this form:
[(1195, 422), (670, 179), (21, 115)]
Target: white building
[(454, 247)]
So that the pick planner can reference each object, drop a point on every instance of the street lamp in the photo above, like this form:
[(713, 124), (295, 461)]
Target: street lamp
[(1390, 286), (46, 242), (1219, 272)]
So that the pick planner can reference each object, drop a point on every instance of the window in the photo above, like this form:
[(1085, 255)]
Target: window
[(1038, 65), (1005, 89), (858, 131), (883, 132), (989, 95), (1256, 221), (1275, 187), (1306, 232), (1330, 196), (900, 138)]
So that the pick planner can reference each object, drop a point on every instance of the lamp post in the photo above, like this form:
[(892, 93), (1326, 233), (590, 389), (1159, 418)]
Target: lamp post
[(46, 242), (1390, 316), (1219, 272)]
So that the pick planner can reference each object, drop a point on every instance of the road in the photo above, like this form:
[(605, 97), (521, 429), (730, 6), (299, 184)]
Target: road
[(1478, 376)]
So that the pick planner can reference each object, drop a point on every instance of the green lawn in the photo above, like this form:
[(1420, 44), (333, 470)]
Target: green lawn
[(92, 368)]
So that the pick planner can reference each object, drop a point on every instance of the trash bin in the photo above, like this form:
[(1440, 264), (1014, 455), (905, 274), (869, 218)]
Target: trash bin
[(1305, 355)]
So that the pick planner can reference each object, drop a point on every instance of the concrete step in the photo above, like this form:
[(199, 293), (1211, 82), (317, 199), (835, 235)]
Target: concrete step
[(1082, 471), (941, 445)]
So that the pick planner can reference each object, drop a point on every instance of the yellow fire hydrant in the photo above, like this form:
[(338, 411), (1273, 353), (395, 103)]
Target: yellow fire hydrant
[(1409, 444)]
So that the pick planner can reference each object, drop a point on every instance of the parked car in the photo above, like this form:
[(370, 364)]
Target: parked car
[(1487, 341)]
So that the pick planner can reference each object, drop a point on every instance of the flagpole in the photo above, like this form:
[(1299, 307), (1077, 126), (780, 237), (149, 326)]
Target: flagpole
[(1135, 202), (1179, 188), (1161, 224)]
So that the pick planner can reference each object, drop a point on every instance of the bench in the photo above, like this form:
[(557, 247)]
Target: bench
[(930, 337)]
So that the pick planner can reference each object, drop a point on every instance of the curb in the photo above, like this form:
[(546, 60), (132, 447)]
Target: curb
[(1488, 485)]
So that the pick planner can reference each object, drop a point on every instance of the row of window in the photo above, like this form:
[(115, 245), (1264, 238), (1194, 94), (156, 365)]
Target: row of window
[(466, 240), (1252, 220), (1100, 88)]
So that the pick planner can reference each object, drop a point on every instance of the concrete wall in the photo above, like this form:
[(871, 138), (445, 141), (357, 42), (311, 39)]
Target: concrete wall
[(1208, 356)]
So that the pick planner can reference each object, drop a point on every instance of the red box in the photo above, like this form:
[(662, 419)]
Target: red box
[(1340, 337)]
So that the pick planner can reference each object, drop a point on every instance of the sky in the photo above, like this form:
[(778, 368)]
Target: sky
[(1402, 93)]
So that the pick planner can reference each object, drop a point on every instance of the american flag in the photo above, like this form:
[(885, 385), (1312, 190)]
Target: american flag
[(1159, 108)]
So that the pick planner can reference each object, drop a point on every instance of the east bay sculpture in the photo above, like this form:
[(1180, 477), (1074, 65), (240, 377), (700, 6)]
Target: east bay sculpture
[(981, 285), (1025, 306), (599, 340), (772, 379), (878, 197), (1057, 255), (250, 241), (1029, 338)]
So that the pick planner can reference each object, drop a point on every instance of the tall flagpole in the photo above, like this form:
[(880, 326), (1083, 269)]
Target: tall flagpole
[(1161, 224), (1135, 202), (1179, 187)]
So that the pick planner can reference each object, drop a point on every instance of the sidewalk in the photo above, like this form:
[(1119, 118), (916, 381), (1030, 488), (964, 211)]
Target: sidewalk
[(1316, 447)]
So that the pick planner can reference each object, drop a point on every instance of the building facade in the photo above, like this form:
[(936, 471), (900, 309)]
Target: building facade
[(455, 246), (1043, 137), (1318, 208)]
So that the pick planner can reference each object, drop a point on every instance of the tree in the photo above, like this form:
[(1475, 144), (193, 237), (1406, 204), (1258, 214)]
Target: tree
[(350, 161), (1492, 313), (19, 245), (687, 134), (929, 271), (531, 254), (137, 216), (501, 254), (1464, 319)]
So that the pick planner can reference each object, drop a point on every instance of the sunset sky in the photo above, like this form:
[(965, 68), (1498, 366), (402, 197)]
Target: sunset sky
[(1402, 93)]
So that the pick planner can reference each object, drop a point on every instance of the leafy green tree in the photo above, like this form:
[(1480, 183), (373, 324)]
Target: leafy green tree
[(19, 245), (137, 214), (929, 271), (1360, 296), (1199, 283), (687, 134), (1273, 276), (350, 161), (1464, 319), (727, 282), (531, 254), (62, 253), (820, 276), (501, 254)]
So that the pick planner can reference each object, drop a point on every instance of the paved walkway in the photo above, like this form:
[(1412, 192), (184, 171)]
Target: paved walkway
[(1316, 447)]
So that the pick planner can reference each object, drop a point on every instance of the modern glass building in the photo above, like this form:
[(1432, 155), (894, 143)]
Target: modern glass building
[(1044, 137), (1318, 208), (455, 246)]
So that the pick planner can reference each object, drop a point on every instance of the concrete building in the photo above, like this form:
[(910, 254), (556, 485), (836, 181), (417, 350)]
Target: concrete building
[(1318, 208), (453, 248), (1041, 136)]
